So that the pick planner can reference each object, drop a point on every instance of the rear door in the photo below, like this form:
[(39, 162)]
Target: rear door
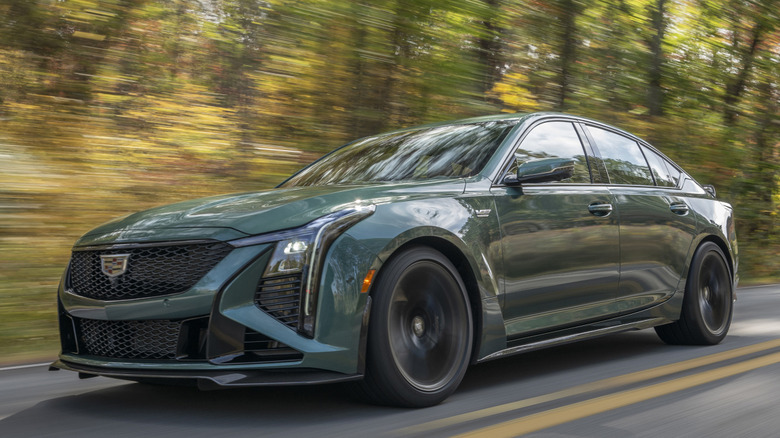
[(559, 240), (656, 227)]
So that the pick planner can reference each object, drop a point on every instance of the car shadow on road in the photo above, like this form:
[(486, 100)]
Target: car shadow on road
[(164, 410)]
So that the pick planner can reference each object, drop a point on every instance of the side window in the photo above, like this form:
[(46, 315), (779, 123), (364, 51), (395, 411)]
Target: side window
[(660, 168), (622, 157), (554, 140), (674, 173)]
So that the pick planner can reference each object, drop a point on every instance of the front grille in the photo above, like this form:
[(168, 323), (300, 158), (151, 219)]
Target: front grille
[(280, 298), (151, 271), (153, 339)]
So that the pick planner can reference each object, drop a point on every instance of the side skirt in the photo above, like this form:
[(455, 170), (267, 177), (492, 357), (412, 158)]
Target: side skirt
[(572, 335)]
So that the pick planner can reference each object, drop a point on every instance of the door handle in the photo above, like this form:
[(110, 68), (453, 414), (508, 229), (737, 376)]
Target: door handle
[(679, 208), (600, 209)]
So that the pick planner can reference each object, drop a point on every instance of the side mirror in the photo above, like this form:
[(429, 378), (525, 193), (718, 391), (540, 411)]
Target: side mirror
[(543, 170), (710, 189)]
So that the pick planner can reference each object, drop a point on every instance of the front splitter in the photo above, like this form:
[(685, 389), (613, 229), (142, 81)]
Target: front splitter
[(214, 379)]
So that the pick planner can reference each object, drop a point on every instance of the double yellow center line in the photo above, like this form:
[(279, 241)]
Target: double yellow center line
[(605, 403)]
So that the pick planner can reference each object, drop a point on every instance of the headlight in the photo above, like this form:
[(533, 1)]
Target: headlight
[(302, 252), (290, 256)]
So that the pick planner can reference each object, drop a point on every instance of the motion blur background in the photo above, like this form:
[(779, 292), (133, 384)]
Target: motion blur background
[(112, 106)]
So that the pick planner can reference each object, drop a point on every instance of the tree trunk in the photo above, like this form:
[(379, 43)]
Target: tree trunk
[(765, 166), (358, 122), (736, 86), (490, 46), (655, 94), (569, 13)]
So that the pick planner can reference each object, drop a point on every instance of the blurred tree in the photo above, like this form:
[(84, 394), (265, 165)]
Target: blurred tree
[(655, 91), (568, 11), (746, 34), (491, 46)]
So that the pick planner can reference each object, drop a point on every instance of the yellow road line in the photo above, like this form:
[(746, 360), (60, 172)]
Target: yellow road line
[(565, 414), (609, 383)]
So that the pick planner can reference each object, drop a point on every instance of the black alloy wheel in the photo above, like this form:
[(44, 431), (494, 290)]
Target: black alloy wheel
[(420, 331), (708, 302)]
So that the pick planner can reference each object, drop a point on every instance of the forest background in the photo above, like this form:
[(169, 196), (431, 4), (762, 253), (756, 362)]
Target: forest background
[(112, 106)]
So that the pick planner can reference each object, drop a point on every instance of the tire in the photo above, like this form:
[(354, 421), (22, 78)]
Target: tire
[(420, 331), (708, 302)]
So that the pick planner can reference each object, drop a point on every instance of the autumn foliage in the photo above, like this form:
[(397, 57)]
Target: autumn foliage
[(111, 106)]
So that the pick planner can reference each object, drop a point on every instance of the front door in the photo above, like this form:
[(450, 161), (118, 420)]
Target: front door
[(560, 242)]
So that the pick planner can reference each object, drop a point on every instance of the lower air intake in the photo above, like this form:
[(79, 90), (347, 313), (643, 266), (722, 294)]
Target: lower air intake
[(153, 339), (280, 297)]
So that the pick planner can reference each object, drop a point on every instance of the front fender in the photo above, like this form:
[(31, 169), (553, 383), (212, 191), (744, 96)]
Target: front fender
[(452, 226)]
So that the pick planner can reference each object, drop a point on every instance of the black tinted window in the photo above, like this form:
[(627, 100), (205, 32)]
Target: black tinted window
[(622, 157), (674, 174), (658, 165), (554, 140)]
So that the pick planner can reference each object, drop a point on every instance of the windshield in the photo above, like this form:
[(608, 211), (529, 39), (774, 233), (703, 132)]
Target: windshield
[(451, 151)]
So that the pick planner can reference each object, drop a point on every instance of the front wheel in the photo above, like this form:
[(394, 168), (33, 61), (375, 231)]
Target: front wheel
[(707, 304), (420, 331)]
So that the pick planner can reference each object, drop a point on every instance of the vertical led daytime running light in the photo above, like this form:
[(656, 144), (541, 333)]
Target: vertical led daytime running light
[(303, 251), (333, 227)]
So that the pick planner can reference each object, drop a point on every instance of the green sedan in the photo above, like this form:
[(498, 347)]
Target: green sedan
[(399, 259)]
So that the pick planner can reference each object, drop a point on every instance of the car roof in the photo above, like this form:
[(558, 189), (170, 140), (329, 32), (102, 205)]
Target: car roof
[(518, 117)]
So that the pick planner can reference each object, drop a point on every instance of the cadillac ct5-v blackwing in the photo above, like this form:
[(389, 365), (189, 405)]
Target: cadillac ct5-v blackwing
[(401, 258)]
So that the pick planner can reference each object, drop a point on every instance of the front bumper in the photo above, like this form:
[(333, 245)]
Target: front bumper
[(222, 328)]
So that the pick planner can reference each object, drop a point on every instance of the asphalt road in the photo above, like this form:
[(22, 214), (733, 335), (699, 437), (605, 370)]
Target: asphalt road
[(623, 385)]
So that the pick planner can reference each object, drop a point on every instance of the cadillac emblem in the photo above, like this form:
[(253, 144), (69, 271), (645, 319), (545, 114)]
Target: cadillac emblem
[(114, 265)]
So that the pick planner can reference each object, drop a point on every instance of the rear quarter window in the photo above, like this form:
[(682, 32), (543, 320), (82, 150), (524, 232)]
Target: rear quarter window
[(662, 171)]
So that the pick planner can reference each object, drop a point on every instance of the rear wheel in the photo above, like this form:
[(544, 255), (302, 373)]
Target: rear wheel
[(420, 332), (708, 301)]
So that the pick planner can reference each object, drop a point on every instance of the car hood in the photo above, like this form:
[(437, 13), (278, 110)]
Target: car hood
[(238, 215)]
